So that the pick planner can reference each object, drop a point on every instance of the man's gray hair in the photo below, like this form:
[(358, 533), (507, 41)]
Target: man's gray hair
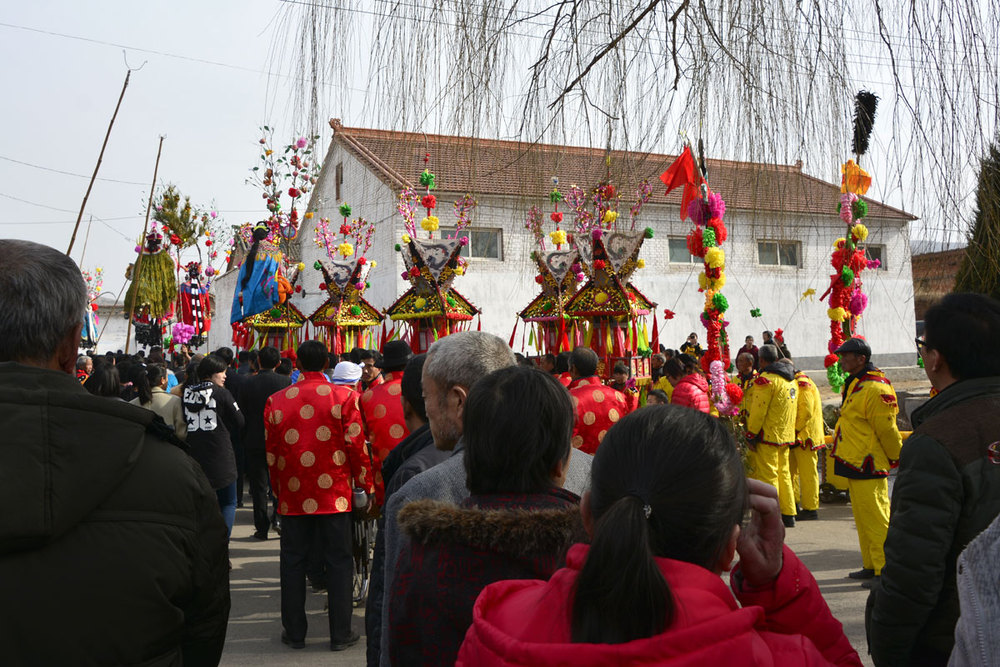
[(42, 299), (769, 353), (464, 357), (660, 357), (81, 362)]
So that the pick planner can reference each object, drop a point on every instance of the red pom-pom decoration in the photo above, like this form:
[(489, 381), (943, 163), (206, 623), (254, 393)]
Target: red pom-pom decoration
[(414, 271), (93, 307), (668, 314), (556, 217), (293, 192), (830, 360), (345, 229), (599, 264), (298, 288), (721, 233), (322, 286), (539, 279), (428, 201), (735, 393), (695, 243), (361, 261)]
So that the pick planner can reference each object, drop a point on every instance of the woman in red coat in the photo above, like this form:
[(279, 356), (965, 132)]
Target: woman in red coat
[(690, 386), (666, 513)]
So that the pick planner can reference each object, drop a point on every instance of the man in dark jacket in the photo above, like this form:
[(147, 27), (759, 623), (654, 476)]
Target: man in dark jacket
[(254, 392), (408, 459), (948, 488), (112, 547)]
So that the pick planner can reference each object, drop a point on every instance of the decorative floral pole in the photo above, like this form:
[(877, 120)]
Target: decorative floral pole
[(430, 222), (846, 300), (558, 236)]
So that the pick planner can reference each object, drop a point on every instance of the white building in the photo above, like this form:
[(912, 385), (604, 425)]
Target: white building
[(782, 225)]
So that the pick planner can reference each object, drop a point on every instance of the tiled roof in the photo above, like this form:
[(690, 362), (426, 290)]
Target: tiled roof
[(510, 168)]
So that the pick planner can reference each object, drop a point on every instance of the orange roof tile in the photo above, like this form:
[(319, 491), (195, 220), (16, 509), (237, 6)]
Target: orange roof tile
[(511, 168)]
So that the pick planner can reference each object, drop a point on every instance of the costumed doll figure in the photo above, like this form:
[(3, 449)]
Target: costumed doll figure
[(150, 296), (195, 306), (259, 284)]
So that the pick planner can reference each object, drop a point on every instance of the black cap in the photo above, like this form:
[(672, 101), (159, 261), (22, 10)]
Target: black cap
[(856, 345), (395, 354)]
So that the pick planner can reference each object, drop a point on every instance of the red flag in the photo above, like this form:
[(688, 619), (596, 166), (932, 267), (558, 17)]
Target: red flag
[(513, 332), (684, 172)]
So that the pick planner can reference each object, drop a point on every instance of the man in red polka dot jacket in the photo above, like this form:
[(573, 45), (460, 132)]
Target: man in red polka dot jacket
[(316, 455)]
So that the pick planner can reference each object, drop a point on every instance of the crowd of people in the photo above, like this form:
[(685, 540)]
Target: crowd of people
[(528, 512)]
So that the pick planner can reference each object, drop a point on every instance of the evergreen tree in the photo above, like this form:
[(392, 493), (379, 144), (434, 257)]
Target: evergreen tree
[(980, 270)]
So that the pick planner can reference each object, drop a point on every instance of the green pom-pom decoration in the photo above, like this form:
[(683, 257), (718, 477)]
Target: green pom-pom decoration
[(345, 210), (920, 361), (555, 196), (836, 377), (755, 312), (647, 233), (846, 276), (355, 310), (860, 209), (367, 284), (720, 302), (452, 302), (708, 239), (398, 247), (317, 265), (427, 179), (839, 205), (546, 307), (275, 313)]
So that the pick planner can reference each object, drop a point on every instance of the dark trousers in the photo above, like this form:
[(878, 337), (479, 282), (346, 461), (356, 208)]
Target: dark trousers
[(240, 465), (297, 538), (260, 487)]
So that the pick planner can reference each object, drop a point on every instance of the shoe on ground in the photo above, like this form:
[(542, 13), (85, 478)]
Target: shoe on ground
[(260, 535), (863, 573), (291, 643), (345, 644), (875, 581), (788, 520), (807, 515)]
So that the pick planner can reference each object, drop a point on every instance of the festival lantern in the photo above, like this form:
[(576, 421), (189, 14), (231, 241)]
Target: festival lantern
[(608, 313), (847, 301), (559, 273), (431, 308)]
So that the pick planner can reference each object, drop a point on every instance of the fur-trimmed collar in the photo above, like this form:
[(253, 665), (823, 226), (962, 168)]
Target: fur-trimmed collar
[(514, 531)]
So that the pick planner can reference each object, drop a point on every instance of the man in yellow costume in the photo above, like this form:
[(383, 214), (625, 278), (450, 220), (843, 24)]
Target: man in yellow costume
[(803, 458), (866, 444), (771, 427)]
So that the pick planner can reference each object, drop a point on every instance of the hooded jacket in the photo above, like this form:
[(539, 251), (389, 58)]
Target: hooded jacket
[(692, 392), (522, 623), (112, 546), (947, 491), (771, 405), (455, 551)]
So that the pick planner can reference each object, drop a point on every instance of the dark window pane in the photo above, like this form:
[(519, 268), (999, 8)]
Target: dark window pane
[(789, 254), (679, 251), (767, 253)]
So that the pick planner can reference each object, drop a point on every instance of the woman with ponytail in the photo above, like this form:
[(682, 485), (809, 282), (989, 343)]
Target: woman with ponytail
[(667, 514), (150, 383)]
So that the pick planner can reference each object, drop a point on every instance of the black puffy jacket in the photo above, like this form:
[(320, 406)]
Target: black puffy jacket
[(112, 547), (947, 492)]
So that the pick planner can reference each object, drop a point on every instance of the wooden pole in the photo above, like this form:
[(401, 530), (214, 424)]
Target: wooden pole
[(97, 167), (86, 240), (142, 244)]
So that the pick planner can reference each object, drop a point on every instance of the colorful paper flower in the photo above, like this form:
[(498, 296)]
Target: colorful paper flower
[(430, 223), (558, 237)]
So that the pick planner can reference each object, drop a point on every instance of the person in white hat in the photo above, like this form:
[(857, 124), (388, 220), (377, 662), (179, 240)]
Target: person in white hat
[(347, 373)]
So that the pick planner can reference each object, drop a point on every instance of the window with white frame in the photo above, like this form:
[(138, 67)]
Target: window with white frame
[(483, 243), (778, 253), (679, 253), (873, 252)]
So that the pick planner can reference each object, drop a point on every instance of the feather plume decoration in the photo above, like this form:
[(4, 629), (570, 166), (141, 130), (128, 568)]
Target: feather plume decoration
[(865, 103)]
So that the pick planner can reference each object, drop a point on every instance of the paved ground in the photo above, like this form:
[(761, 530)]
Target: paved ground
[(829, 548)]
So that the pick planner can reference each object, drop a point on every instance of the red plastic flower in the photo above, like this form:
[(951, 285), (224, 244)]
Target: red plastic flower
[(174, 239), (293, 192), (556, 217), (428, 201), (539, 279), (599, 264), (322, 286), (668, 314), (361, 261), (830, 360), (345, 229), (735, 393), (414, 271)]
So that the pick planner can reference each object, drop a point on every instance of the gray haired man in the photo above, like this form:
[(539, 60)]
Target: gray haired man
[(94, 495), (453, 365)]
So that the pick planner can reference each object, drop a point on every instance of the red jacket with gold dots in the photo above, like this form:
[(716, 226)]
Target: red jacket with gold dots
[(315, 447), (598, 407), (382, 412)]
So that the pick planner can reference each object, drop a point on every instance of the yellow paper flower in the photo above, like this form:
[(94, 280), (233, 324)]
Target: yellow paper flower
[(345, 249), (836, 244), (854, 178), (715, 257), (430, 223), (459, 271), (706, 283), (610, 217), (859, 232), (268, 151), (406, 238), (374, 264), (309, 215), (641, 264), (601, 297), (558, 236), (837, 314), (420, 303), (301, 266)]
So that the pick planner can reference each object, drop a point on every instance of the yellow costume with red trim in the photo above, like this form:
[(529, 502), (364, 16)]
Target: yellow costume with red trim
[(598, 408), (771, 427), (809, 434), (866, 444)]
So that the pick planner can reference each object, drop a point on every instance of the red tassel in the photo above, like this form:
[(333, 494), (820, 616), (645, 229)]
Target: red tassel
[(655, 343), (510, 343), (479, 322), (381, 343)]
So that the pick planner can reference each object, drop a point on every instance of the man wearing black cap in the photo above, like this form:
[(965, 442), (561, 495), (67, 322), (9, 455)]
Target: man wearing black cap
[(866, 444), (382, 409)]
